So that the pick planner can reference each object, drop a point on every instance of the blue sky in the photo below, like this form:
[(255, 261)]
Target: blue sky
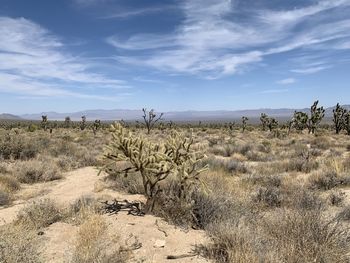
[(72, 55)]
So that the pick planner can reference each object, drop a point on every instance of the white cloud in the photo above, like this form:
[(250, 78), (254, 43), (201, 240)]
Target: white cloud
[(310, 70), (212, 41), (33, 61), (286, 81), (137, 12)]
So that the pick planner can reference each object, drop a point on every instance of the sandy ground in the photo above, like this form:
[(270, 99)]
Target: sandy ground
[(158, 238)]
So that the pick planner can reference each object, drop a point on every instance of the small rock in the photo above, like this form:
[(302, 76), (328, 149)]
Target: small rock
[(159, 243)]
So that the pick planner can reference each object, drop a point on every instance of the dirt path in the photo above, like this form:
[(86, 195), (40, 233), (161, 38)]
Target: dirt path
[(157, 237)]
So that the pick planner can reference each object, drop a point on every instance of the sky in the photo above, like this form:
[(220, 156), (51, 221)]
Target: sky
[(173, 55)]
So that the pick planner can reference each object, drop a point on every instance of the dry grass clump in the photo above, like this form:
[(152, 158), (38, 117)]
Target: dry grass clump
[(18, 244), (35, 171), (39, 214), (82, 209), (94, 245)]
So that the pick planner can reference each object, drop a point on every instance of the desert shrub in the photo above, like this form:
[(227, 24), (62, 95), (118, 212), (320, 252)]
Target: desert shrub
[(263, 180), (321, 142), (236, 242), (270, 196), (256, 156), (18, 244), (4, 197), (9, 183), (131, 184), (34, 171), (324, 180), (265, 147), (93, 245), (81, 209), (301, 165), (348, 147), (17, 147), (39, 214), (230, 166), (201, 209), (223, 150), (336, 198), (344, 214), (301, 198), (306, 236)]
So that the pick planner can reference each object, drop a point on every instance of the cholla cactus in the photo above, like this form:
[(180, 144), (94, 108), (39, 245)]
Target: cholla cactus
[(244, 123), (339, 114), (154, 162), (264, 121), (317, 114)]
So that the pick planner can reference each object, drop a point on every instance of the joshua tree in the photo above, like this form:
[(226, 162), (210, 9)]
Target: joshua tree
[(339, 114), (154, 162), (83, 123), (244, 123), (317, 114), (231, 126), (67, 122), (272, 124), (44, 122), (299, 120), (95, 126), (264, 121), (150, 119), (347, 123)]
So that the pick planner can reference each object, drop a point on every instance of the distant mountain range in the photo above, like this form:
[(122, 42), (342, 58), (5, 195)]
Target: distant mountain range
[(7, 116), (130, 115)]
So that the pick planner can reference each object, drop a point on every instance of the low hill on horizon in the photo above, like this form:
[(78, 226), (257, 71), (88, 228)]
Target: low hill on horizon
[(191, 115)]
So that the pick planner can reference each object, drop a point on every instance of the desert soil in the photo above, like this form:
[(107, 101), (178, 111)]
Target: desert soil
[(158, 238)]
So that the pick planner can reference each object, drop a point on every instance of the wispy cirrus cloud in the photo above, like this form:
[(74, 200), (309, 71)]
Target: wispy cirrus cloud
[(33, 61), (213, 41), (287, 81), (122, 14)]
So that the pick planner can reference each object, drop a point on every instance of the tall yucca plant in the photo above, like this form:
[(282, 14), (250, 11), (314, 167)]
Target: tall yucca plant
[(154, 162)]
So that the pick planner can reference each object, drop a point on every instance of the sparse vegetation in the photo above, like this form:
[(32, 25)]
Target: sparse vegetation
[(268, 196)]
